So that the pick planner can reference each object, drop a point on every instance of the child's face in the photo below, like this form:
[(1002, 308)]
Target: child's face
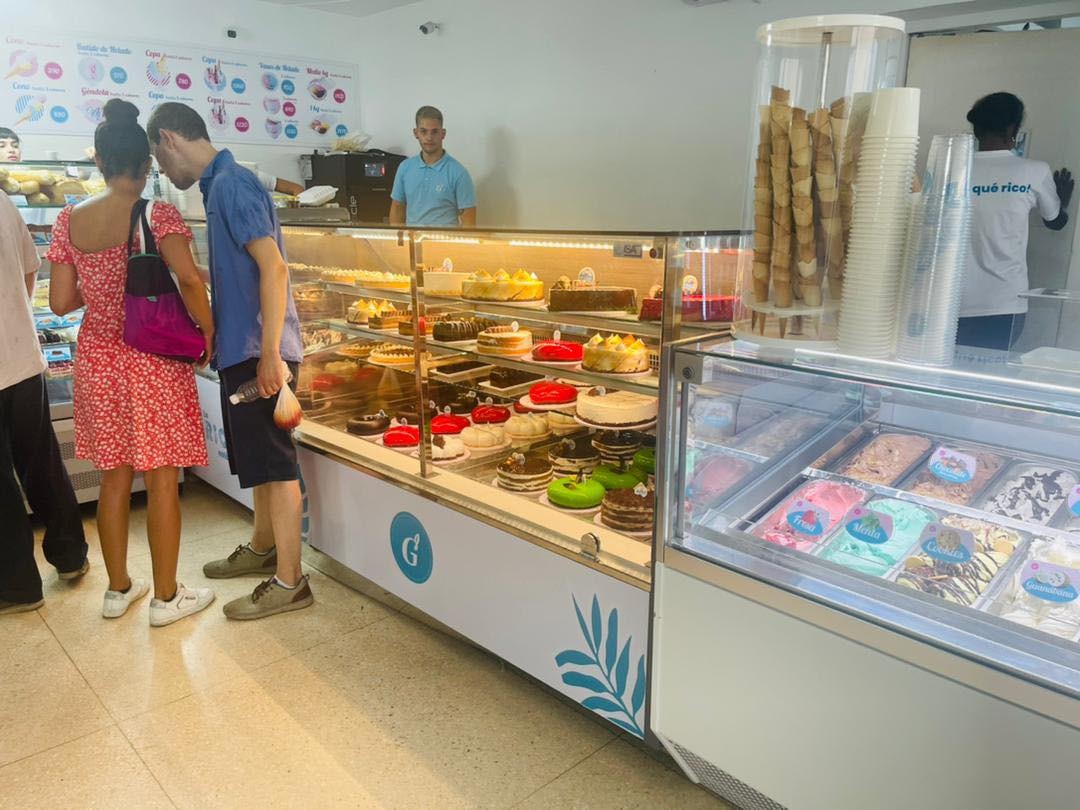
[(10, 150)]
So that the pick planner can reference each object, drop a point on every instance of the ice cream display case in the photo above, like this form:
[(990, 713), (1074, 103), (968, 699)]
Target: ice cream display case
[(844, 536), (481, 423)]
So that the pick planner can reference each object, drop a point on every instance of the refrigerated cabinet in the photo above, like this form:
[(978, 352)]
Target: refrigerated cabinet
[(866, 581)]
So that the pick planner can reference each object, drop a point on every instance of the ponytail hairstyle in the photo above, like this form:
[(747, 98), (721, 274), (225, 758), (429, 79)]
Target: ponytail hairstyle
[(120, 142)]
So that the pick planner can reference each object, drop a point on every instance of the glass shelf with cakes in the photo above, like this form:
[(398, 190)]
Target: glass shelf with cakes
[(539, 383), (940, 504)]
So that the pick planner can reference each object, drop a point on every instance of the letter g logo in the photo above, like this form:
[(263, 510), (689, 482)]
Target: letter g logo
[(411, 547)]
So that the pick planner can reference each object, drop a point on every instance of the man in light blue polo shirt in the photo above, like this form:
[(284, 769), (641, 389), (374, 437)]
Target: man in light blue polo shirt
[(432, 188)]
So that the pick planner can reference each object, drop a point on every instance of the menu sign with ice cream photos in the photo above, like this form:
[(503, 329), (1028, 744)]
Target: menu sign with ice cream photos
[(57, 84)]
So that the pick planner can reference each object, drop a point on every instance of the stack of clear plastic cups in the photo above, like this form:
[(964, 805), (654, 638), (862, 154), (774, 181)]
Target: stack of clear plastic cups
[(938, 244), (879, 224)]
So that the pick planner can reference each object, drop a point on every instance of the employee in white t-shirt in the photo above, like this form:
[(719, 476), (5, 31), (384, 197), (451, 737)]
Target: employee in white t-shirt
[(1005, 188), (278, 184)]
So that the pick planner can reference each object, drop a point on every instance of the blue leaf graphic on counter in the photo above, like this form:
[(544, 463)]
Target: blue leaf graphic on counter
[(622, 669), (607, 669), (599, 704), (584, 681), (584, 627), (572, 657), (638, 698), (612, 638), (597, 625)]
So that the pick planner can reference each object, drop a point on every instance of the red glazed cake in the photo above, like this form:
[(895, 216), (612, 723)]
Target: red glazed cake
[(490, 414), (448, 423), (558, 351), (402, 436), (551, 393)]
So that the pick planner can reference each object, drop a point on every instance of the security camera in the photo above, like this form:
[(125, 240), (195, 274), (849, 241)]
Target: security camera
[(428, 28), (231, 33)]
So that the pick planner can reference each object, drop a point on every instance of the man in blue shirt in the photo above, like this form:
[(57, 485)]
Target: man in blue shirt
[(257, 336), (432, 188)]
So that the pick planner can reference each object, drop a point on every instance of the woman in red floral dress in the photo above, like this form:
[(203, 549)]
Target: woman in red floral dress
[(134, 412)]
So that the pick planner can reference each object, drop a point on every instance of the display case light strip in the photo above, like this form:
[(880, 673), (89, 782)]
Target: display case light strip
[(459, 240), (385, 237), (578, 245)]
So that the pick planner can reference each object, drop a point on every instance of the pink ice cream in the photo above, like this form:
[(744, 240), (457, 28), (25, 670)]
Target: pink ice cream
[(830, 502), (714, 476)]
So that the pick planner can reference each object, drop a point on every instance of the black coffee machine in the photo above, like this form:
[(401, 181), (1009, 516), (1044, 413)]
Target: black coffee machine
[(363, 181)]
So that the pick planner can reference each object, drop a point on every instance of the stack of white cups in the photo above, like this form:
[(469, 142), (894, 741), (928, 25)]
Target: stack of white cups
[(938, 243), (879, 224)]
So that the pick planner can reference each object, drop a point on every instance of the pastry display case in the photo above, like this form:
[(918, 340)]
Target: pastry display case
[(923, 519), (514, 375)]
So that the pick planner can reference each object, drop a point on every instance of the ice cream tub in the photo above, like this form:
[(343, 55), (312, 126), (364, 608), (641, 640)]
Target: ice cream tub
[(780, 434), (887, 457), (809, 514), (1041, 590), (1031, 492), (955, 473), (960, 559), (874, 538)]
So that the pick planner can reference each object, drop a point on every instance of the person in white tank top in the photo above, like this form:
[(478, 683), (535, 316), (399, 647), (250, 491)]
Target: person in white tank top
[(1005, 188)]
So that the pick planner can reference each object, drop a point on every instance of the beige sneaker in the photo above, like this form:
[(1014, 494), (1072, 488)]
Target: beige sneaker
[(241, 562), (269, 598)]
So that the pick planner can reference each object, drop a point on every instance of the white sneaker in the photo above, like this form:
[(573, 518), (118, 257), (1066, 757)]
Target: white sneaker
[(186, 602), (117, 602)]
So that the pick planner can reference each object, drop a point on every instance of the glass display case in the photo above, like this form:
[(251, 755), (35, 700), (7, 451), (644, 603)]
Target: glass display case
[(511, 374), (845, 535), (949, 498)]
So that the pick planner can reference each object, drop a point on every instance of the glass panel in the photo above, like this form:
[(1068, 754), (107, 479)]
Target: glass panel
[(927, 500)]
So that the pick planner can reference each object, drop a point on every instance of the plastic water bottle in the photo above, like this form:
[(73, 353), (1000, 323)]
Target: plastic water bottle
[(249, 391)]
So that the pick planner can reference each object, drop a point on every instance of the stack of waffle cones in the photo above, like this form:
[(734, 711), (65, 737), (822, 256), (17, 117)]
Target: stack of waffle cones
[(828, 198), (780, 115), (763, 209), (808, 281)]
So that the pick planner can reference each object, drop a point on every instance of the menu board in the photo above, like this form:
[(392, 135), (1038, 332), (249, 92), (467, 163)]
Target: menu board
[(59, 84)]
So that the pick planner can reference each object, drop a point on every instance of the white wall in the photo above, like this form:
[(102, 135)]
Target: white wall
[(599, 113), (263, 27)]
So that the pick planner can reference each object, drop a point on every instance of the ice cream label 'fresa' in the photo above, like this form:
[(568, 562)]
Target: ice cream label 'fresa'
[(806, 518)]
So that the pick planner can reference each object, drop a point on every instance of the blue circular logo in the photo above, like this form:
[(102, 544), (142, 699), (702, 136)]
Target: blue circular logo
[(287, 87), (341, 130), (59, 114), (238, 86), (118, 75), (290, 131), (411, 547)]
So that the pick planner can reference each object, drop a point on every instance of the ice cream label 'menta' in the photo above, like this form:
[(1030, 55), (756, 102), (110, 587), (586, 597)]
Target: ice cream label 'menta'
[(947, 544), (952, 465), (869, 526), (806, 518), (1051, 583)]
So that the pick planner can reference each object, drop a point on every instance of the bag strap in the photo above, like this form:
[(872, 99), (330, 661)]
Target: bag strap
[(137, 211), (149, 243)]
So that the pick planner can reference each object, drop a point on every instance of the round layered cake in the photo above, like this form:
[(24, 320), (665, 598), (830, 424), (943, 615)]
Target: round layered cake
[(520, 474), (502, 286), (615, 446), (506, 340), (389, 354), (456, 329), (629, 510), (615, 355), (572, 457), (614, 409)]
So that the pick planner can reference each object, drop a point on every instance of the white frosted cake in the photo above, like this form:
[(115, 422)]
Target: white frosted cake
[(615, 408)]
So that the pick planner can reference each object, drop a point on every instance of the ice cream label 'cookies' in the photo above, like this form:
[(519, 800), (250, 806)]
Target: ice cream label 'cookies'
[(869, 526), (947, 544), (806, 518), (1051, 583), (952, 465)]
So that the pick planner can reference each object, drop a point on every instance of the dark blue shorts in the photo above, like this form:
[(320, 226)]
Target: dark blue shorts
[(259, 451)]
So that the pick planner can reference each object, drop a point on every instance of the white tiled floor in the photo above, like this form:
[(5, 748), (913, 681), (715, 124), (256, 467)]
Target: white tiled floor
[(352, 703)]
